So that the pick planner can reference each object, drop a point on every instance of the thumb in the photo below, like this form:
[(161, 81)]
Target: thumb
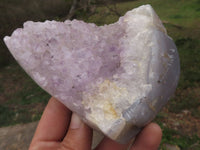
[(79, 135)]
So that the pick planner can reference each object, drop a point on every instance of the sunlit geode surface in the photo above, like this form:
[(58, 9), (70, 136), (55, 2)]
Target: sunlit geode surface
[(117, 77)]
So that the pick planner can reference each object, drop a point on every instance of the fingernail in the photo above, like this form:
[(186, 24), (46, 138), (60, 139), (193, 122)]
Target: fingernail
[(75, 121)]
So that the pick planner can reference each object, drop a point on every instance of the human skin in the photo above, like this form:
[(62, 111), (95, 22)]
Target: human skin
[(60, 129)]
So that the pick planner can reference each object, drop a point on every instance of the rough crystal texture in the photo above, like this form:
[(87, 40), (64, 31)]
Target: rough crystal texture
[(117, 77)]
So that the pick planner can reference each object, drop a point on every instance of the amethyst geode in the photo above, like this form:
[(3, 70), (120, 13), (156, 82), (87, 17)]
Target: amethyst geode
[(117, 77)]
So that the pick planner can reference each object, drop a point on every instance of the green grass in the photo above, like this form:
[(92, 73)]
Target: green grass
[(175, 138), (180, 12), (21, 100)]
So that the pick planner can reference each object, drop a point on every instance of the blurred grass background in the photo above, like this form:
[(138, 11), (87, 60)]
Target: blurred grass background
[(21, 100)]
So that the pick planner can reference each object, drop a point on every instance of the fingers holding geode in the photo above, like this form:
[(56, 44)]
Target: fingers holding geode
[(108, 144), (53, 123), (149, 138), (79, 135)]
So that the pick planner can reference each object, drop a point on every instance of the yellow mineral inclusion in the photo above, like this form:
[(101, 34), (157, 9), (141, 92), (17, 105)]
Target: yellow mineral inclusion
[(106, 85), (166, 56), (152, 107), (109, 110), (104, 99)]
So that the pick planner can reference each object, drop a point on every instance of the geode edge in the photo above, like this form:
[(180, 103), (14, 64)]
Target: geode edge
[(117, 77)]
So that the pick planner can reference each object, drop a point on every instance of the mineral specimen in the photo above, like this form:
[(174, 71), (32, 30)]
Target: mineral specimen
[(117, 77)]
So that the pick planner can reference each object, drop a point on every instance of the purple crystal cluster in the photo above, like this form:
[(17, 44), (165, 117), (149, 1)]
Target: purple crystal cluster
[(117, 77)]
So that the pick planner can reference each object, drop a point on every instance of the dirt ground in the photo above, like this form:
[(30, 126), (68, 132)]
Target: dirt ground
[(18, 137), (182, 122)]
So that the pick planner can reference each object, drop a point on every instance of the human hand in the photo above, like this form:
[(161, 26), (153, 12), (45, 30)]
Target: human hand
[(55, 131)]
